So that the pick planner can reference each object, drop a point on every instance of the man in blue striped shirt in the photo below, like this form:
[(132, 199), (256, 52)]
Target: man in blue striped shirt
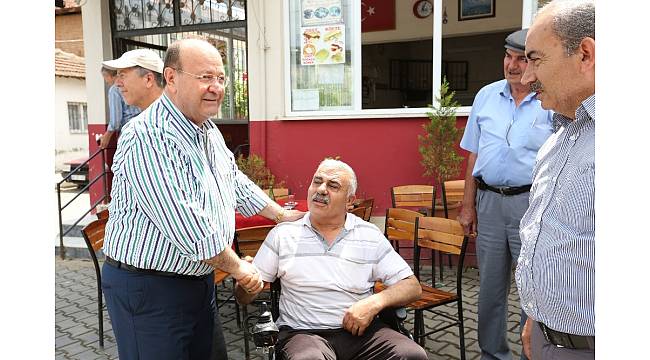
[(505, 130), (172, 216), (555, 272), (119, 112)]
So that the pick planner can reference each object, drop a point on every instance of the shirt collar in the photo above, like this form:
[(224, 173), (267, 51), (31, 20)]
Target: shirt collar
[(348, 226), (182, 121), (505, 92), (587, 109)]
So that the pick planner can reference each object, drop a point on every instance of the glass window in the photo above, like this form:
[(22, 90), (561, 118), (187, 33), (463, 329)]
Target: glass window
[(78, 117), (321, 46)]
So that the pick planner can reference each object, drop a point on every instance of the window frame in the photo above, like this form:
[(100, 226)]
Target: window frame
[(82, 110), (357, 111)]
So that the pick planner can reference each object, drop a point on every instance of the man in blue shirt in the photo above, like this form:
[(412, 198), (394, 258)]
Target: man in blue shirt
[(505, 129), (119, 111)]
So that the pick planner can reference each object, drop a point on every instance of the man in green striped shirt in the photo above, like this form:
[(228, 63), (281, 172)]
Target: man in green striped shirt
[(172, 215)]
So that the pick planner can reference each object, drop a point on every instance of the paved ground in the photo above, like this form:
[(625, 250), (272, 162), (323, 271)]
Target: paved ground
[(77, 334)]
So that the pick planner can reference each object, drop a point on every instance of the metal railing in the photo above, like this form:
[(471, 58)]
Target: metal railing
[(76, 170)]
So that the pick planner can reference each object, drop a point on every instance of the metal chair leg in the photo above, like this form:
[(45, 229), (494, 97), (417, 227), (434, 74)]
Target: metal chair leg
[(247, 354), (100, 317), (461, 329)]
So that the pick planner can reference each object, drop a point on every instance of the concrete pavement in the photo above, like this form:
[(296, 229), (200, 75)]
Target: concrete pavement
[(77, 334)]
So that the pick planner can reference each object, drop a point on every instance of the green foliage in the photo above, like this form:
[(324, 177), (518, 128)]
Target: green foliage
[(437, 146), (255, 168)]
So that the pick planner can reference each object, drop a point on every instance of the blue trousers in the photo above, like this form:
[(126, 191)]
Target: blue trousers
[(497, 248), (157, 317)]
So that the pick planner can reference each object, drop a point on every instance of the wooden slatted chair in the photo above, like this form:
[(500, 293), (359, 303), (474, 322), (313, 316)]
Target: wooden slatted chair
[(368, 204), (453, 192), (419, 198), (399, 226), (359, 211), (445, 236), (93, 234), (278, 193), (102, 214)]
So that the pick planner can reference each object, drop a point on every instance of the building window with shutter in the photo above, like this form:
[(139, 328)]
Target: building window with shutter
[(78, 117)]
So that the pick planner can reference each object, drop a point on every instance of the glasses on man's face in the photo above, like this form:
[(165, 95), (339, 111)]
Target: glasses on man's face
[(208, 79)]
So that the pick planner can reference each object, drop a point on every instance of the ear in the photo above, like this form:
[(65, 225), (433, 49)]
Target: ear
[(170, 77), (588, 50), (351, 199)]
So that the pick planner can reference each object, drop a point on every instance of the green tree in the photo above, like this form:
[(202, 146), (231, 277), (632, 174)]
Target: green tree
[(438, 144)]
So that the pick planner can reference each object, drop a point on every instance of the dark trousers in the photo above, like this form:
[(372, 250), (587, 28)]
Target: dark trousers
[(157, 317), (544, 350), (378, 342)]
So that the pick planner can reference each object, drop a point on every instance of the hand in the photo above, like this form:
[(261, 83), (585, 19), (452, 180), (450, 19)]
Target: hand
[(467, 218), (292, 215), (248, 277), (251, 285), (360, 315), (525, 338), (103, 142)]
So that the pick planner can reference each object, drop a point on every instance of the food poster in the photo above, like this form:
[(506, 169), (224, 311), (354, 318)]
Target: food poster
[(323, 45), (321, 12)]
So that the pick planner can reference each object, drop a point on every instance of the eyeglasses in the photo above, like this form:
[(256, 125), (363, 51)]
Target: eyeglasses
[(208, 78)]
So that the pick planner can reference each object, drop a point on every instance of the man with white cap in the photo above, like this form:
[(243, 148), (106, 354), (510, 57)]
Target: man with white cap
[(504, 131), (139, 79), (139, 76)]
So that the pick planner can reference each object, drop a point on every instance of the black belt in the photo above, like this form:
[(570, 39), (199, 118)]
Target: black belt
[(127, 267), (508, 191), (569, 341)]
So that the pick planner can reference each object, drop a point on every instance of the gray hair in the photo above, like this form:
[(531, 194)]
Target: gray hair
[(338, 164), (156, 76), (572, 21)]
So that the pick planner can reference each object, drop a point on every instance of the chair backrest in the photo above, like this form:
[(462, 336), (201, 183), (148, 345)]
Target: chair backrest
[(102, 214), (278, 193), (248, 240), (400, 224), (368, 204), (454, 190), (422, 196), (443, 235), (93, 234), (359, 211)]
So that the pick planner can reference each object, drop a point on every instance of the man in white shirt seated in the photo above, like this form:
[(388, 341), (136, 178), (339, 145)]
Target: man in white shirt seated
[(328, 263)]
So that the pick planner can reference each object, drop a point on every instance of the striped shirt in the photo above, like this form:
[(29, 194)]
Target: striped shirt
[(119, 111), (555, 271), (320, 281), (175, 190)]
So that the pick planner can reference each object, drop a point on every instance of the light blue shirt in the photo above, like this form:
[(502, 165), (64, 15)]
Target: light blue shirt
[(505, 137), (119, 112)]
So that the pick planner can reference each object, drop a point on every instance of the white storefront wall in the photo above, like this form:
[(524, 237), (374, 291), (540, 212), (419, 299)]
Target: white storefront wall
[(68, 145)]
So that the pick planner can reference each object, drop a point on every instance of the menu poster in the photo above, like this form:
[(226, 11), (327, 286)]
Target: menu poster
[(321, 12), (322, 45)]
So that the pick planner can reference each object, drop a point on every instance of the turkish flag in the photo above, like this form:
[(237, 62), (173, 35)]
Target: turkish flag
[(377, 15)]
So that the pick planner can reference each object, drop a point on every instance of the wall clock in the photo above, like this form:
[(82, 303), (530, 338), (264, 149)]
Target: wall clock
[(422, 8)]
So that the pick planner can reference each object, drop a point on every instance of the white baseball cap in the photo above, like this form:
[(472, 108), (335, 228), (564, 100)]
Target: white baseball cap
[(145, 58)]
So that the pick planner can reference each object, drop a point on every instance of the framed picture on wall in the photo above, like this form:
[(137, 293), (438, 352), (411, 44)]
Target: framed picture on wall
[(475, 9)]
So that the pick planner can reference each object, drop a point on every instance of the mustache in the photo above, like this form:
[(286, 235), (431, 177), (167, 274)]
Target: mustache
[(321, 198), (536, 86)]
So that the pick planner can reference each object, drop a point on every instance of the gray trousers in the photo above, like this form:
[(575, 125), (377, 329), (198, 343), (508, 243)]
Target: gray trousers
[(544, 350), (497, 248)]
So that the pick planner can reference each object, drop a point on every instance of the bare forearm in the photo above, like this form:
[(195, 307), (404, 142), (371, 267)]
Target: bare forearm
[(243, 297), (399, 294), (227, 261), (278, 214), (469, 195)]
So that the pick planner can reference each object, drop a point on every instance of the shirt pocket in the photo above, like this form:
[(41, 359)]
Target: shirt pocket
[(353, 275), (537, 135)]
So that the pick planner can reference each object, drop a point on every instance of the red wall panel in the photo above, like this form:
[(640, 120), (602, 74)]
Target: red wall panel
[(383, 152)]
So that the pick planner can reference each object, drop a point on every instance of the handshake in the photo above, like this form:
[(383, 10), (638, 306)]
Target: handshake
[(251, 282)]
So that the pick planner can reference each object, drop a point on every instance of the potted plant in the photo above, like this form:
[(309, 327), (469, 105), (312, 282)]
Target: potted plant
[(255, 168), (438, 144)]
